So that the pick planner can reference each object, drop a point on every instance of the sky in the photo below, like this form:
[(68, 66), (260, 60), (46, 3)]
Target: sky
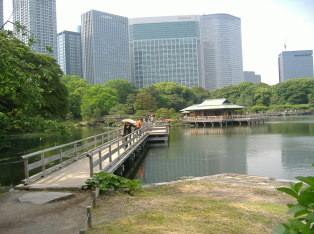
[(266, 25)]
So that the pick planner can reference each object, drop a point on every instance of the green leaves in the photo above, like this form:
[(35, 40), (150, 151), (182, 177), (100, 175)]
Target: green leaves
[(109, 181), (303, 211)]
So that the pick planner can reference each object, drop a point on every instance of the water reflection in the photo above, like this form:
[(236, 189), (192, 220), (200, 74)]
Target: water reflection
[(278, 149)]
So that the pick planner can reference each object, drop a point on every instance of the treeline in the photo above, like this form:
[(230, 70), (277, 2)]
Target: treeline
[(166, 99), (121, 98), (291, 94)]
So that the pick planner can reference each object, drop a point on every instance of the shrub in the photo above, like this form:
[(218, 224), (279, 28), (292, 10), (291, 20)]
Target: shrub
[(108, 181)]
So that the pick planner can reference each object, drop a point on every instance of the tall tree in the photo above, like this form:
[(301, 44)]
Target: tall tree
[(76, 87), (97, 101), (123, 88)]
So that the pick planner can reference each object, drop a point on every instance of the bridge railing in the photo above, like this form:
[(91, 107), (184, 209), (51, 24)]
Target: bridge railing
[(219, 119), (105, 157), (42, 163)]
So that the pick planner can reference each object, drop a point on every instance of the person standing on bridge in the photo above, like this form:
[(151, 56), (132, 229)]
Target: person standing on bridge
[(126, 131)]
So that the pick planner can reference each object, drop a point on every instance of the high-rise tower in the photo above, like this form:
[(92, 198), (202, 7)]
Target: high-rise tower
[(39, 18), (105, 47), (222, 50), (1, 13), (69, 53), (295, 64), (165, 49)]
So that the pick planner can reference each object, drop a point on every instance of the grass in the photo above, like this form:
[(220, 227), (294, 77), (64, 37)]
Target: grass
[(190, 207)]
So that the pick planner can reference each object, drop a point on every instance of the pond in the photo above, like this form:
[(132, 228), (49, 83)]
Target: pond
[(280, 148)]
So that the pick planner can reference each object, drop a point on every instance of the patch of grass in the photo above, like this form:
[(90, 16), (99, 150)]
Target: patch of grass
[(175, 209)]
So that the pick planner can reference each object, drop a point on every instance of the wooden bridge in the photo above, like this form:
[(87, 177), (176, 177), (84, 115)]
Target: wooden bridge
[(68, 166)]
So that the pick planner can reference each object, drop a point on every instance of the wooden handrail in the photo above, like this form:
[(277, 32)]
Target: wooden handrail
[(66, 154)]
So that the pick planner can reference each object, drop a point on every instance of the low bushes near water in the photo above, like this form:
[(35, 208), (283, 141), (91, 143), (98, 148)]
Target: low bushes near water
[(303, 210), (109, 181)]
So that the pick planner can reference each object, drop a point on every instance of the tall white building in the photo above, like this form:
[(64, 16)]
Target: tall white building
[(105, 47), (39, 18), (295, 64), (222, 50), (69, 53)]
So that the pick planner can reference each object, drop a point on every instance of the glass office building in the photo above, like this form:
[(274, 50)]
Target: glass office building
[(105, 47), (69, 53), (221, 50), (40, 20), (295, 64), (165, 49)]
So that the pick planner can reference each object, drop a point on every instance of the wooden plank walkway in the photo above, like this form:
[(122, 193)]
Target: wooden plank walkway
[(106, 157)]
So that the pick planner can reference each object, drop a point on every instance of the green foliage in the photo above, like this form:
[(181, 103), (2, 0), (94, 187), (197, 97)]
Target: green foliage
[(109, 181), (145, 101), (164, 113), (97, 101), (121, 110), (123, 88), (76, 87), (141, 114), (30, 89), (257, 109), (303, 211)]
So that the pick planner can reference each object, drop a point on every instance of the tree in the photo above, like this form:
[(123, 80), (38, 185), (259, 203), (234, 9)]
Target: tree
[(97, 101), (76, 87), (293, 91), (200, 94), (54, 92), (145, 101), (25, 92), (123, 88)]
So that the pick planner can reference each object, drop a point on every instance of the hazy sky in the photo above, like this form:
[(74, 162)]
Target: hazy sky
[(266, 24)]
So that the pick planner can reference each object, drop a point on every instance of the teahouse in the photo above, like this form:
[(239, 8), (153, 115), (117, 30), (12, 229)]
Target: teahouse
[(212, 107)]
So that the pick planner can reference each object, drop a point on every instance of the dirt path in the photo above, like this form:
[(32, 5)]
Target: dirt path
[(64, 216)]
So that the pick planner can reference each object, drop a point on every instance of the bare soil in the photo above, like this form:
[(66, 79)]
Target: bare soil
[(63, 216)]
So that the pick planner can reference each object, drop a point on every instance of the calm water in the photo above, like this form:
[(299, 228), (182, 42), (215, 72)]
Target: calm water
[(281, 148)]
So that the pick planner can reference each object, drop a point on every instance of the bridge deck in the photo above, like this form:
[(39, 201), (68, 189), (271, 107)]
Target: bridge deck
[(74, 175)]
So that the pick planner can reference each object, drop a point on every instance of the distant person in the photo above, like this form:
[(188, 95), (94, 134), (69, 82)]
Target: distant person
[(138, 124)]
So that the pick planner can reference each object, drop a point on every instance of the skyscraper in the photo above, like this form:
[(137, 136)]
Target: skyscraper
[(165, 49), (295, 64), (222, 50), (105, 47), (190, 50), (1, 14), (39, 18), (69, 53), (250, 76)]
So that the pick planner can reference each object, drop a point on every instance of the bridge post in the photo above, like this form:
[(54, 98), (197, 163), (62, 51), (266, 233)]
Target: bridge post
[(91, 169), (26, 172), (43, 166), (110, 155), (100, 162)]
